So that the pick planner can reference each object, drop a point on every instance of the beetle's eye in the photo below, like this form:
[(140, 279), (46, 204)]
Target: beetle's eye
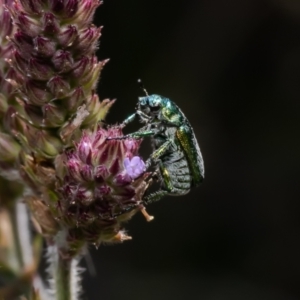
[(154, 108)]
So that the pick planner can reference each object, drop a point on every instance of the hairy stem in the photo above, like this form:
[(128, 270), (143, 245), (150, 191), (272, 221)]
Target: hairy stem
[(65, 279)]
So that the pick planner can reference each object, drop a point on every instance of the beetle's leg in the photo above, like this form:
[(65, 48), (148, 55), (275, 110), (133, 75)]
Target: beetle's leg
[(155, 175), (135, 135), (132, 117), (166, 182), (153, 197), (126, 209), (143, 115), (158, 153), (130, 207), (128, 120)]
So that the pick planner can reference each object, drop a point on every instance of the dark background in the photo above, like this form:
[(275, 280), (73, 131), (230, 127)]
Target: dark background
[(233, 66)]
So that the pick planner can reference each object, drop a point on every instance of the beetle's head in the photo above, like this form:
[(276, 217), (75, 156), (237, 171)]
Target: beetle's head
[(150, 106)]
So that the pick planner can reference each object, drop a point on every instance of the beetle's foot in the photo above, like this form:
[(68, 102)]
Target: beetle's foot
[(122, 125), (146, 215)]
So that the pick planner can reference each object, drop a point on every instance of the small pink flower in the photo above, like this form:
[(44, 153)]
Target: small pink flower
[(134, 167)]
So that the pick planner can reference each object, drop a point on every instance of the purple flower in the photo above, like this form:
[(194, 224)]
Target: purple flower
[(134, 167), (103, 185)]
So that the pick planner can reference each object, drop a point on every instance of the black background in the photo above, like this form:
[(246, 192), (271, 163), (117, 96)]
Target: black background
[(233, 67)]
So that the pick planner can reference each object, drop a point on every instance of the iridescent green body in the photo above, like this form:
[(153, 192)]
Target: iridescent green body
[(176, 156)]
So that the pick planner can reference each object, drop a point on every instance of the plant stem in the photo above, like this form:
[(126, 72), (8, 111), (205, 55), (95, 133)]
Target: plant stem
[(65, 279), (16, 245)]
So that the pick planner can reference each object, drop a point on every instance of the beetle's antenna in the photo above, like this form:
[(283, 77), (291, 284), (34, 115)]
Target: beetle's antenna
[(140, 82)]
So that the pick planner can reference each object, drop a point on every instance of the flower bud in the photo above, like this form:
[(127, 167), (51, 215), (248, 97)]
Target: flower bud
[(13, 81), (67, 36), (74, 168), (3, 104), (68, 8), (28, 170), (87, 173), (50, 24), (54, 116), (9, 149), (12, 121), (31, 6), (58, 86), (5, 23), (56, 6), (42, 215), (85, 11), (44, 46), (23, 43), (62, 61), (85, 149), (87, 39), (32, 26), (35, 113), (20, 62), (76, 98), (39, 69), (42, 142), (84, 66), (97, 110), (37, 94), (89, 79), (101, 174)]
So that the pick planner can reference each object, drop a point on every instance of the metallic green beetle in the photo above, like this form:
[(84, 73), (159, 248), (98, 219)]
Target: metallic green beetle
[(176, 156)]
